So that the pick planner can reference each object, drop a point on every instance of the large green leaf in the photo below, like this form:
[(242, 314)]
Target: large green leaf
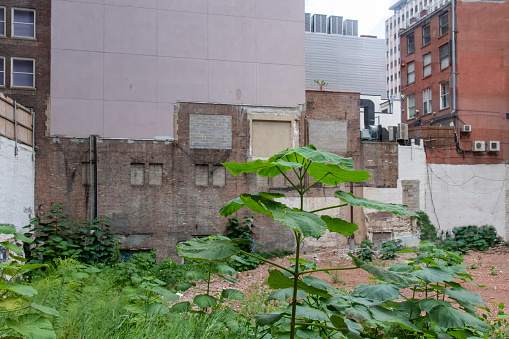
[(400, 279), (340, 226), (379, 292), (167, 295), (45, 309), (32, 326), (232, 294), (393, 317), (427, 304), (231, 207), (286, 293), (181, 307), (311, 153), (433, 274), (333, 174), (21, 237), (268, 319), (277, 280), (156, 309), (11, 247), (464, 296), (216, 248), (373, 204), (449, 317), (19, 288), (12, 303), (224, 269), (317, 283), (7, 229), (204, 301), (310, 313), (245, 167)]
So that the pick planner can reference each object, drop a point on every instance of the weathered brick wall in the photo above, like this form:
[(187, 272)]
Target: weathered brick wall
[(380, 159), (329, 136)]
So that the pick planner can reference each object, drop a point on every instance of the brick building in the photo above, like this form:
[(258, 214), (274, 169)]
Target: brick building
[(457, 76)]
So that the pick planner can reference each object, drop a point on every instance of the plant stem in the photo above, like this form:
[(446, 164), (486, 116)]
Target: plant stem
[(319, 325), (295, 282), (268, 262), (284, 175), (328, 208), (208, 280)]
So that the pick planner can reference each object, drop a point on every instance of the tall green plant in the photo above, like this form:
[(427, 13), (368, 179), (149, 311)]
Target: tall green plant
[(294, 283), (56, 236)]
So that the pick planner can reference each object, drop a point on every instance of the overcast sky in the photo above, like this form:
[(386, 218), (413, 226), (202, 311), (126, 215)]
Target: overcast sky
[(370, 13)]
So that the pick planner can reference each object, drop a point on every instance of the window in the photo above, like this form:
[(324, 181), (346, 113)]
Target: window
[(387, 79), (410, 46), (426, 62), (444, 95), (155, 174), (2, 72), (2, 21), (23, 23), (444, 23), (426, 35), (391, 25), (410, 73), (426, 100), (399, 20), (411, 11), (444, 56), (403, 17), (137, 174), (411, 106), (23, 72)]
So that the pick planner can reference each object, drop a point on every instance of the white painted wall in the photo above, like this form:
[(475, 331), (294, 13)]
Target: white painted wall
[(118, 66), (16, 184)]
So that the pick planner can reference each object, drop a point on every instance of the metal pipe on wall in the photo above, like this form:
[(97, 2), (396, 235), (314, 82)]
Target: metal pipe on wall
[(96, 183), (15, 129)]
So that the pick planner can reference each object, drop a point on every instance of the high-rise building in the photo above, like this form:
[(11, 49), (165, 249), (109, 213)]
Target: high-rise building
[(319, 23), (335, 24), (351, 27), (406, 13), (307, 22)]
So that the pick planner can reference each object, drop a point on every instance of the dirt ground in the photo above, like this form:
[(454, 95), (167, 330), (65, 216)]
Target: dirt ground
[(490, 268)]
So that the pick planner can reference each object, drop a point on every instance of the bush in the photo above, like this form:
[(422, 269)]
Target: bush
[(428, 231), (365, 252), (469, 237), (57, 236), (390, 249)]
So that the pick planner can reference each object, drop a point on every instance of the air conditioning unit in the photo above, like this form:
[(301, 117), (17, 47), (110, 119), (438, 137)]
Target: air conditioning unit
[(393, 133), (478, 146), (402, 131), (493, 146), (365, 134), (466, 128)]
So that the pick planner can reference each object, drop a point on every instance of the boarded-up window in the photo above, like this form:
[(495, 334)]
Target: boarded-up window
[(411, 194), (87, 173), (270, 137), (218, 176), (137, 174), (201, 175), (155, 175)]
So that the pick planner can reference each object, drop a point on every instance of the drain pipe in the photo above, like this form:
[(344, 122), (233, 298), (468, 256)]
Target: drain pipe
[(96, 183), (15, 129), (90, 196), (453, 52)]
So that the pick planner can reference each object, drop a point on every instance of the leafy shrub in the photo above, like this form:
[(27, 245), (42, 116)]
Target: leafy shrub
[(428, 231), (277, 253), (56, 236), (242, 230), (365, 252), (390, 249), (469, 237), (243, 262)]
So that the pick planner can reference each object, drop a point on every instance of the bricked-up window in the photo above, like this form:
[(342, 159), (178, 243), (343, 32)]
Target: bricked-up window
[(155, 174), (87, 173), (444, 23), (201, 174), (444, 95), (426, 64), (23, 72), (410, 43), (444, 56), (218, 176), (2, 21), (411, 106), (137, 174), (23, 23), (426, 100), (410, 79), (2, 72), (270, 137), (426, 34)]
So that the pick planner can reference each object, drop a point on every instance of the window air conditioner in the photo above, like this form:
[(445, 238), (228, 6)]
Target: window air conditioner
[(466, 128), (478, 146), (493, 146)]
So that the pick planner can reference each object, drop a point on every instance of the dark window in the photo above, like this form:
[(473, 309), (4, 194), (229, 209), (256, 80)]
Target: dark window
[(444, 23), (426, 35), (2, 71), (23, 23), (444, 95), (426, 64), (444, 56), (23, 73), (410, 43), (410, 73), (2, 20)]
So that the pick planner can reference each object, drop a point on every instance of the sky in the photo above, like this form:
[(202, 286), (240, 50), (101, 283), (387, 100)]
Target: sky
[(370, 13)]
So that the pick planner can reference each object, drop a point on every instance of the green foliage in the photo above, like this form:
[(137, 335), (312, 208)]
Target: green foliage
[(278, 253), (428, 232), (242, 230), (310, 312), (470, 237), (55, 236), (365, 252), (24, 317), (390, 249)]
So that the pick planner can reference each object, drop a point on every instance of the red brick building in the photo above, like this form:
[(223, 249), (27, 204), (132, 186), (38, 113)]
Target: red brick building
[(463, 120)]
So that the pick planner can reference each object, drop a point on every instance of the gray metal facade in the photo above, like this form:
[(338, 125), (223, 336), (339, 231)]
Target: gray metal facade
[(346, 63)]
